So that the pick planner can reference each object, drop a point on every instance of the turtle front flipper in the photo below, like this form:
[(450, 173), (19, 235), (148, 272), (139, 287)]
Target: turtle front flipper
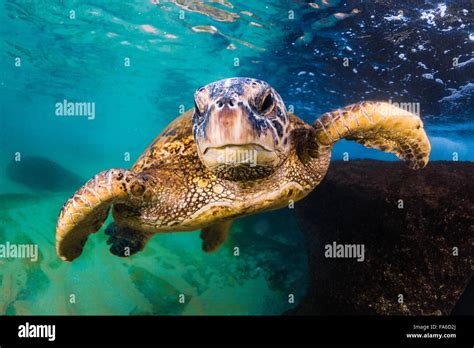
[(215, 235), (378, 125), (85, 212)]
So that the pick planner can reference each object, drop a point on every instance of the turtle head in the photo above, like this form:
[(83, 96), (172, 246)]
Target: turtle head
[(241, 128)]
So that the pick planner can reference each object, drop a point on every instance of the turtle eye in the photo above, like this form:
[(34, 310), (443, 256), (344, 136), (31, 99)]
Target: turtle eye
[(267, 104)]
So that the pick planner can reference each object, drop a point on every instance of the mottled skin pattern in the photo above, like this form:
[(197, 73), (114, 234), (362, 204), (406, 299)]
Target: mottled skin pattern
[(177, 184)]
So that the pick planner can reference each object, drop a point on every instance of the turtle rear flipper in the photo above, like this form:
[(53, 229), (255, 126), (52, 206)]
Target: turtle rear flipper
[(379, 125), (125, 241), (215, 235), (85, 212)]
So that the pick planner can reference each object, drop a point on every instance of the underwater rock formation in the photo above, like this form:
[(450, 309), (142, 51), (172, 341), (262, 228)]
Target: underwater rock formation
[(417, 229), (43, 174)]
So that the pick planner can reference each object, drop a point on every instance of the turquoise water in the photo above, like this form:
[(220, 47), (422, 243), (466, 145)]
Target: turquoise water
[(140, 63)]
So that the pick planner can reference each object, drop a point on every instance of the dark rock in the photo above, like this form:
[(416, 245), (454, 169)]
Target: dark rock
[(408, 251), (465, 305)]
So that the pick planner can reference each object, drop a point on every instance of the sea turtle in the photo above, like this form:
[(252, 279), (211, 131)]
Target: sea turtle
[(237, 152)]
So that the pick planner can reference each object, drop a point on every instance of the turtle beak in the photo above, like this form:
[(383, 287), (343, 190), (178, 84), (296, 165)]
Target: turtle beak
[(249, 147), (230, 123)]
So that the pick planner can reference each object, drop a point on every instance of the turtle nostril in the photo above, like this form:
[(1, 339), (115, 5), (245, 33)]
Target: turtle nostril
[(226, 101)]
